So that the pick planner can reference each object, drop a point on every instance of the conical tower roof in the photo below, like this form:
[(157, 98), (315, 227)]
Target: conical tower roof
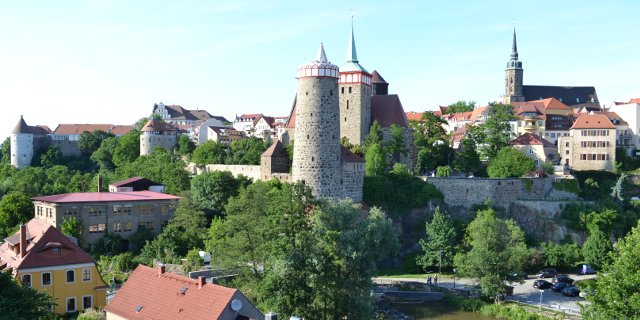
[(514, 46), (352, 57), (21, 127), (376, 77)]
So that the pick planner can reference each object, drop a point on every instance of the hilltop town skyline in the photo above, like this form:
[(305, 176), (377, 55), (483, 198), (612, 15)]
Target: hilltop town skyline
[(109, 67)]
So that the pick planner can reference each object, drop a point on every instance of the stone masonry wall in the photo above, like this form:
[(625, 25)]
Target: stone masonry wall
[(355, 111), (316, 156), (407, 159), (353, 180), (252, 172)]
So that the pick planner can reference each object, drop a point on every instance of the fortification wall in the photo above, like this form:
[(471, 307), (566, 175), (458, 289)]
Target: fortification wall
[(67, 147), (251, 171)]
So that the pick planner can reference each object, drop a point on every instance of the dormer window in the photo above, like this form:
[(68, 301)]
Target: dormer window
[(55, 250)]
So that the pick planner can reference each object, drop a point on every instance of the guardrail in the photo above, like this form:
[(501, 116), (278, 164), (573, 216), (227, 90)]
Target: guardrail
[(552, 307)]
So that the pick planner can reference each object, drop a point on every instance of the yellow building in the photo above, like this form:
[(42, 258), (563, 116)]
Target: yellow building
[(43, 258), (536, 148)]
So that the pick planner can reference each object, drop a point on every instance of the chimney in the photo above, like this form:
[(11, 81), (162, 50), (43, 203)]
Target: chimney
[(23, 240), (99, 183), (201, 281), (160, 269)]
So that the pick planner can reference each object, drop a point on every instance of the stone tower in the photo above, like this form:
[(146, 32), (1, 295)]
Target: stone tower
[(355, 97), (22, 147), (513, 76), (316, 156), (157, 134)]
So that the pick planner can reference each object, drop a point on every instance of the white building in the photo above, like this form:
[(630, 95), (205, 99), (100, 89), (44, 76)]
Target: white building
[(630, 112)]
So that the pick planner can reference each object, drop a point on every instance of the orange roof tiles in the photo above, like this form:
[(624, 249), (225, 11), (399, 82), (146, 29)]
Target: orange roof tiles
[(160, 296), (592, 121), (80, 128), (416, 116), (531, 139)]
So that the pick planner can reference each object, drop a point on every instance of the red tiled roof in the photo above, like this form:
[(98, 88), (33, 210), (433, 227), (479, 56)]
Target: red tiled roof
[(276, 149), (155, 125), (22, 127), (160, 296), (291, 122), (459, 134), (416, 116), (387, 110), (348, 156), (531, 139), (477, 112), (106, 197), (267, 119), (80, 128), (250, 115), (42, 236), (613, 116), (120, 130), (592, 121)]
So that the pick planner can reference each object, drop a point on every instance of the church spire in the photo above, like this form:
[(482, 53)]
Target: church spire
[(352, 56), (321, 57), (514, 47)]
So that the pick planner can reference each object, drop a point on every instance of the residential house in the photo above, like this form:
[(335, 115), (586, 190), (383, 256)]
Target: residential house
[(121, 213), (224, 135), (199, 132), (624, 135), (630, 112), (245, 122), (591, 144), (264, 127), (156, 294), (456, 121), (44, 259), (537, 148), (177, 115)]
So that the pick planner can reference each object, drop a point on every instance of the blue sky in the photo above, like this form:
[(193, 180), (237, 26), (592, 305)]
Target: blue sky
[(109, 61)]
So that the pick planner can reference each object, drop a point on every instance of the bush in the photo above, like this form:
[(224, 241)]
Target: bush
[(464, 304), (510, 312), (568, 185), (398, 193), (443, 171)]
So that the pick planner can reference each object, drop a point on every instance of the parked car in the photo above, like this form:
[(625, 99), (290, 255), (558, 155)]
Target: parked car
[(584, 268), (585, 292), (562, 278), (571, 291), (516, 276), (547, 273), (558, 286), (542, 284)]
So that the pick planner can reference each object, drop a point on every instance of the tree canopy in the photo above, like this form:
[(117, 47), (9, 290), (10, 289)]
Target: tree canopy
[(508, 163), (22, 303), (212, 190), (441, 241), (460, 106), (495, 133)]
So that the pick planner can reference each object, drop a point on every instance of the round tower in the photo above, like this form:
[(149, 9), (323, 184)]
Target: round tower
[(157, 134), (21, 145), (355, 96), (316, 155)]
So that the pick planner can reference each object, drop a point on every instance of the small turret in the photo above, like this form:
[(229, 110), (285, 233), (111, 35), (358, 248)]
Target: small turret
[(380, 86), (21, 144)]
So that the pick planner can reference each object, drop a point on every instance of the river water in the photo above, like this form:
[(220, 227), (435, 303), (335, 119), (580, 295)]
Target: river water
[(437, 310)]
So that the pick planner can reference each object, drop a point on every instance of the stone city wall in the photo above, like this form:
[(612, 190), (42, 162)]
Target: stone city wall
[(252, 172)]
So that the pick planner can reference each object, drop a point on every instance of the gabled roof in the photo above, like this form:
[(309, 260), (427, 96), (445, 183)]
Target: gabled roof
[(149, 294), (459, 134), (269, 120), (177, 112), (631, 101), (592, 121), (106, 197), (291, 121), (376, 77), (477, 112), (120, 130), (74, 128), (135, 180), (275, 150), (528, 139), (613, 117), (416, 116), (155, 125), (41, 237), (387, 110), (568, 95), (348, 156)]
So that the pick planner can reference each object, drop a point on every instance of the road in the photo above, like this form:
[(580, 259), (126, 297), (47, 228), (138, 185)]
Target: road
[(524, 292)]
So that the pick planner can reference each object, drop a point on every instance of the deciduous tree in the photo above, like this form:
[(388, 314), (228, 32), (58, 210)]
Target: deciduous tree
[(22, 303), (440, 241), (596, 248), (510, 162)]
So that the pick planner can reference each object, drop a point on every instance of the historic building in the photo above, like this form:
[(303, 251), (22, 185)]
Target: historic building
[(630, 112), (156, 294), (122, 212), (178, 115), (158, 134), (44, 259), (591, 144), (517, 91), (536, 148)]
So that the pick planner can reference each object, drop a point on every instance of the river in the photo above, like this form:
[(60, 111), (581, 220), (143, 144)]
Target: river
[(437, 310)]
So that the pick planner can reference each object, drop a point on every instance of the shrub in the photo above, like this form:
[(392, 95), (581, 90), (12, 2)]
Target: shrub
[(568, 185), (397, 193)]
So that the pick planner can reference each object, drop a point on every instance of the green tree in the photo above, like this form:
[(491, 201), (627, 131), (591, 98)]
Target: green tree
[(356, 149), (127, 150), (15, 208), (375, 161), (443, 171), (92, 314), (497, 248), (89, 142), (50, 157), (185, 146), (22, 303), (467, 159), (616, 294), (5, 151), (103, 156), (246, 151), (495, 133), (618, 189), (460, 106), (565, 256), (212, 190), (71, 226), (194, 261), (509, 162), (139, 238), (110, 244), (596, 248), (396, 145), (374, 136), (431, 142), (210, 152), (159, 166), (440, 241), (142, 121)]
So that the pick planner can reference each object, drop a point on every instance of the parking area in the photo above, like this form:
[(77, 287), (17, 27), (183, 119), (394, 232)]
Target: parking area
[(526, 293)]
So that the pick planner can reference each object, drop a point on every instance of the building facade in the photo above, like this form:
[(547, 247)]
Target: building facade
[(630, 112), (43, 258), (538, 149), (158, 134), (591, 144), (121, 213)]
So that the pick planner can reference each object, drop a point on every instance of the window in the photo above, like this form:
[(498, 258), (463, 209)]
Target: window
[(120, 210), (117, 227), (96, 212), (349, 89), (55, 250), (46, 278), (70, 212), (536, 162), (86, 274), (97, 228), (71, 276), (530, 151), (39, 211), (127, 226), (553, 135), (71, 304), (145, 225), (145, 210), (342, 91), (347, 104), (26, 280), (87, 302)]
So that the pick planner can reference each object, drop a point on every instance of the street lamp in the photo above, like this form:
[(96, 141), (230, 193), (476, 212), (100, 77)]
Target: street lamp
[(540, 306), (454, 278)]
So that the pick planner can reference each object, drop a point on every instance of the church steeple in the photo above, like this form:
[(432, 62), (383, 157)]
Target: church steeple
[(352, 56), (514, 47), (514, 75)]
